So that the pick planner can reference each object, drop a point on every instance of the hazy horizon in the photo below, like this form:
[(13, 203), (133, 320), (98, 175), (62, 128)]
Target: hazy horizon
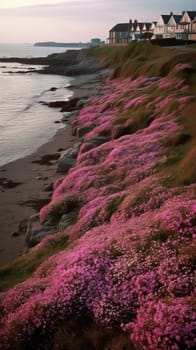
[(76, 20)]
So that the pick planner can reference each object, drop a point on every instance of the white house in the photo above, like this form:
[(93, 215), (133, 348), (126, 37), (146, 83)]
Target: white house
[(161, 29), (187, 30), (168, 26), (193, 35), (139, 28), (173, 25)]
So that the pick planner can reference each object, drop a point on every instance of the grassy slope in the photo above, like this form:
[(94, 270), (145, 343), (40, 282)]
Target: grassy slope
[(178, 170), (142, 59)]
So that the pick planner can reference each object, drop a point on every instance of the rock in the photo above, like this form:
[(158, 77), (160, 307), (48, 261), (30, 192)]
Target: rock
[(64, 120), (93, 142), (82, 130), (97, 141), (66, 106), (81, 103), (48, 187), (22, 226), (38, 178), (66, 116), (57, 122), (53, 88), (65, 163), (70, 105), (46, 159), (5, 183), (68, 159), (15, 234), (74, 127), (36, 232), (36, 203), (64, 222)]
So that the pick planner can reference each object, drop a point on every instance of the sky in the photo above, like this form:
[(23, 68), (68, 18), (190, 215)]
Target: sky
[(29, 21)]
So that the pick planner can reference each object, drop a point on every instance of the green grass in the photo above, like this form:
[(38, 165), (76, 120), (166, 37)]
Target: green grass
[(24, 266), (179, 168), (191, 46), (112, 206), (141, 59)]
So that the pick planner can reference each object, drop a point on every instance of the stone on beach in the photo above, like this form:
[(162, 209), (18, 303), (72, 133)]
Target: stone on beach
[(66, 106), (36, 232), (68, 159)]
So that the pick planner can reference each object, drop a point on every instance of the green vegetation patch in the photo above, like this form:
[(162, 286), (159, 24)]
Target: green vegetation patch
[(112, 206), (24, 266)]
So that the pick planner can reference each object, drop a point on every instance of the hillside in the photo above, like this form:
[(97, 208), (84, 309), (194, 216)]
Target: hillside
[(119, 274)]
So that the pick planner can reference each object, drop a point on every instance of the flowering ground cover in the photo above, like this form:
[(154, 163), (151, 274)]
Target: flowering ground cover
[(128, 263)]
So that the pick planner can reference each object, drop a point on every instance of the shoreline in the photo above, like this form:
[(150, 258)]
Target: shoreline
[(18, 203)]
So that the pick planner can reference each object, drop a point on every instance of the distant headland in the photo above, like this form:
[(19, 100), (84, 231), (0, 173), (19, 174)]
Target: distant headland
[(54, 44)]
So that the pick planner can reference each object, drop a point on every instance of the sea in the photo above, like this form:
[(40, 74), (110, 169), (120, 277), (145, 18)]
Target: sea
[(25, 123)]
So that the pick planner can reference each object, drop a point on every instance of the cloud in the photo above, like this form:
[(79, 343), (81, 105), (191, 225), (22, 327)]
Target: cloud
[(80, 19), (84, 10), (100, 10)]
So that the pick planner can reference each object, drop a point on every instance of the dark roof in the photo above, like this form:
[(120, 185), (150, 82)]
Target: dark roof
[(141, 24), (126, 27), (192, 14), (148, 25), (177, 18), (165, 18), (134, 26), (121, 27)]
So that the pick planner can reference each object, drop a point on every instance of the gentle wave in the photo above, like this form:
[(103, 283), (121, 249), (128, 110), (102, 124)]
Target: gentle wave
[(26, 124)]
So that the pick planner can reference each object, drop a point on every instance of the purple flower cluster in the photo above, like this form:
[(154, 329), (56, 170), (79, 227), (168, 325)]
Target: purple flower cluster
[(131, 265)]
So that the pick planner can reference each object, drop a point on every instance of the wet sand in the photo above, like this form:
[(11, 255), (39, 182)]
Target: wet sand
[(19, 202)]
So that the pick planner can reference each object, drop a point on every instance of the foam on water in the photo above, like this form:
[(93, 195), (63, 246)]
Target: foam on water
[(26, 124)]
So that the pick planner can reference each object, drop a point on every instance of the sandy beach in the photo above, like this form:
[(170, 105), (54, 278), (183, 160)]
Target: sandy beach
[(32, 181)]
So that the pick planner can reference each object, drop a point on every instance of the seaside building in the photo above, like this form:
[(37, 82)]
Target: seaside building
[(123, 33), (139, 28), (176, 26), (173, 25), (187, 29), (168, 26), (119, 34), (161, 27), (95, 42)]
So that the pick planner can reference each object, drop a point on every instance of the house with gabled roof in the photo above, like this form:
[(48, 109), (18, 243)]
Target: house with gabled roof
[(119, 34), (188, 26), (168, 26), (161, 28), (152, 26), (141, 28), (123, 33), (193, 34), (173, 25), (133, 27)]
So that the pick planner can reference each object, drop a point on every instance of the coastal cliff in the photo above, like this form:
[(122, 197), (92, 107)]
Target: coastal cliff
[(117, 269)]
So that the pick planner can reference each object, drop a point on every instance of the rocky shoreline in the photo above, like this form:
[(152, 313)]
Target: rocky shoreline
[(26, 184), (70, 63)]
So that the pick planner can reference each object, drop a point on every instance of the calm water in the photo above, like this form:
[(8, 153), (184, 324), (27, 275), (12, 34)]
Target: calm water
[(25, 124), (27, 50)]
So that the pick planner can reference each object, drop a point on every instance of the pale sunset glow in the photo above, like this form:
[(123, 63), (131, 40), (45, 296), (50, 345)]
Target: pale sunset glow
[(17, 3), (76, 20)]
